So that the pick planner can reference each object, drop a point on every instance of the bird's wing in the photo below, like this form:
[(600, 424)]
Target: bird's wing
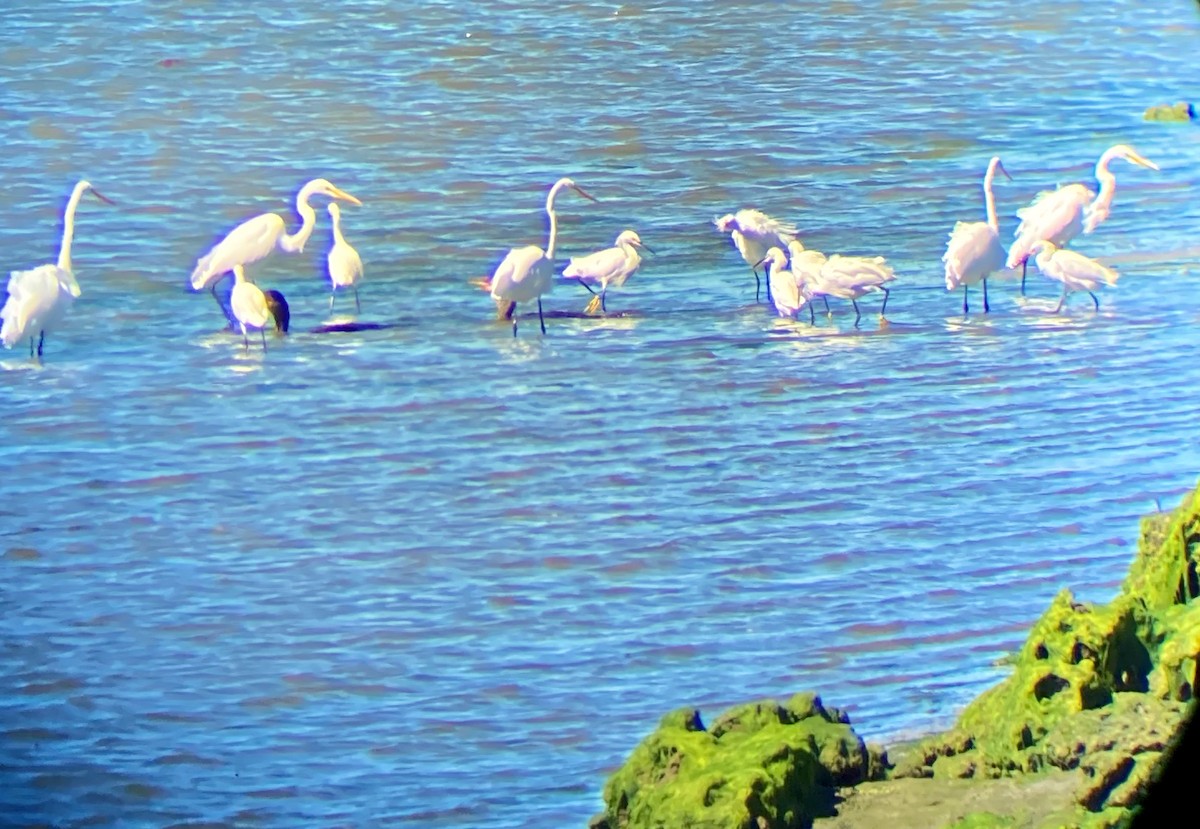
[(757, 223), (785, 290), (1075, 267), (515, 268), (596, 267), (973, 252), (31, 295), (807, 264), (1054, 215), (249, 305), (250, 241)]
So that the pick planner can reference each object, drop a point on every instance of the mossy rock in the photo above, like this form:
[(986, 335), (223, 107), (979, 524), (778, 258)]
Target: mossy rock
[(760, 766), (1178, 111)]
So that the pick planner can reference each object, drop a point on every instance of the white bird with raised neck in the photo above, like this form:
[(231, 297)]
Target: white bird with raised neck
[(526, 273), (607, 268), (344, 264), (39, 298), (249, 306), (974, 251), (1060, 215)]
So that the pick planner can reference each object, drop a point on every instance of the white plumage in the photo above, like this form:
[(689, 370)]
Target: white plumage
[(249, 306), (1075, 271), (974, 251), (754, 233), (607, 268), (853, 277), (343, 262), (785, 290)]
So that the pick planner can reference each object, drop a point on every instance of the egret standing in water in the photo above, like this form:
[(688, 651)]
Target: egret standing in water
[(806, 268), (785, 289), (608, 267), (256, 238), (754, 233), (1075, 271), (39, 298), (249, 305), (974, 251), (345, 265), (1058, 216), (853, 277), (527, 273)]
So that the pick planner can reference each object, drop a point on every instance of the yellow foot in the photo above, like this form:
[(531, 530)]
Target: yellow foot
[(593, 306)]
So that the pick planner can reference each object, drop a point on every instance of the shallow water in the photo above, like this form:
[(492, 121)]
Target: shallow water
[(432, 574)]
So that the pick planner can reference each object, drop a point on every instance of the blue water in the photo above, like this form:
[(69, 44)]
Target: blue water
[(434, 575)]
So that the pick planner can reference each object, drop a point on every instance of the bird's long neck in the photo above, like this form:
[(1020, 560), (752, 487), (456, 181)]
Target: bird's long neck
[(989, 199), (553, 238), (1108, 185), (294, 242), (64, 250), (338, 238), (239, 274)]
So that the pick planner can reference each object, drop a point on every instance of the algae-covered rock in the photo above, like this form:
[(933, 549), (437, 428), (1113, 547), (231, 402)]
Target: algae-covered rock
[(760, 766), (1178, 111)]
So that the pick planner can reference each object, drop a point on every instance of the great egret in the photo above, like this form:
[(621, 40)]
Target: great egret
[(785, 290), (345, 265), (608, 267), (527, 273), (853, 277), (974, 251), (256, 238), (1060, 215), (39, 298), (754, 233), (249, 306), (1075, 271)]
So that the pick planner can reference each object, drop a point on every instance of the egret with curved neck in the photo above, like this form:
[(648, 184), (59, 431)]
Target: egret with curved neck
[(39, 298), (974, 251), (528, 272), (256, 238), (1058, 216)]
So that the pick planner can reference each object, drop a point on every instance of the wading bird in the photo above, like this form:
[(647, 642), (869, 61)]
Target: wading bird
[(806, 267), (785, 289), (974, 251), (1058, 216), (528, 272), (249, 305), (754, 233), (345, 265), (39, 298), (853, 277), (1075, 271), (608, 267), (256, 238)]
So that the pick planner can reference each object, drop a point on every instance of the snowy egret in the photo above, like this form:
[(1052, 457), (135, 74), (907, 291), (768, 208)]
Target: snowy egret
[(754, 233), (974, 251), (853, 277), (249, 306), (785, 290), (39, 298), (255, 238), (806, 267), (1075, 271), (1060, 215), (611, 266), (527, 273), (345, 265)]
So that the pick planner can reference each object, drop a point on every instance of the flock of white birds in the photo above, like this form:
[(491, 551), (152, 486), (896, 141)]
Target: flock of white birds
[(39, 298)]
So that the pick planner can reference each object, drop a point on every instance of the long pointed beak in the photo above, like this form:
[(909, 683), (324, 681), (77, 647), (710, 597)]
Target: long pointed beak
[(1000, 167), (584, 193), (482, 282), (344, 196), (760, 263), (1142, 161), (101, 196), (644, 246)]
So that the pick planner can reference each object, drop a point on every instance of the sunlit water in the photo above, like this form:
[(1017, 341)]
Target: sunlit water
[(434, 575)]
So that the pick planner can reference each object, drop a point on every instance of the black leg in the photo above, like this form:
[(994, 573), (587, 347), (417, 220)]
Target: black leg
[(1024, 267), (986, 309), (226, 312), (857, 313), (770, 300), (812, 319), (828, 310), (31, 348), (332, 294), (512, 310), (757, 286), (1061, 300), (541, 319), (41, 342), (589, 287), (603, 307), (263, 331), (1095, 300), (965, 308), (886, 296), (357, 304)]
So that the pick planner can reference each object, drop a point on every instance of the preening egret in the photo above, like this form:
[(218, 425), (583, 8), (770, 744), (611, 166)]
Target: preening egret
[(974, 251), (39, 298), (785, 290), (345, 265), (527, 273), (608, 267), (806, 267), (1060, 215), (249, 306), (754, 233), (852, 277), (256, 238), (1075, 271)]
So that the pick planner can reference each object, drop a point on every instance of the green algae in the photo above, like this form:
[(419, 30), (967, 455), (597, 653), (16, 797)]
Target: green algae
[(1179, 111)]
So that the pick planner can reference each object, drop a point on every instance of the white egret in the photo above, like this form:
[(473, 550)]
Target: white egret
[(256, 238), (1060, 215), (785, 290), (1075, 271), (754, 233), (608, 267), (345, 265), (853, 277), (806, 267), (249, 305), (39, 298), (974, 251), (528, 272)]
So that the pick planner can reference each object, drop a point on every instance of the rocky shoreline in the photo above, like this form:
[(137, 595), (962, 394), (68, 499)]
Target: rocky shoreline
[(1072, 738)]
